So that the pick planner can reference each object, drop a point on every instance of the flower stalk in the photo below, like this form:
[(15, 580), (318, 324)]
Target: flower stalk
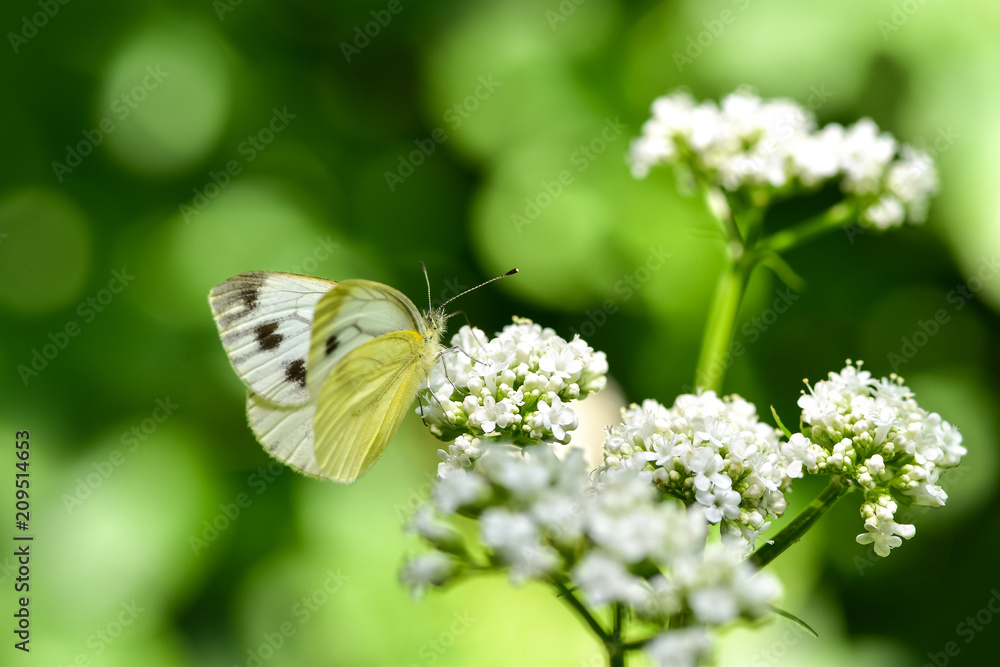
[(721, 326), (581, 609), (794, 531), (616, 649), (833, 218)]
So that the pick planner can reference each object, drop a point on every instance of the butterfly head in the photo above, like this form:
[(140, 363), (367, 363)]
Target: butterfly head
[(434, 323), (436, 318)]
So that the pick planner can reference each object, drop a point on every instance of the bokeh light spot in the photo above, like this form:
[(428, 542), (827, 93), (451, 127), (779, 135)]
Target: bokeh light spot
[(44, 251), (168, 94), (253, 225)]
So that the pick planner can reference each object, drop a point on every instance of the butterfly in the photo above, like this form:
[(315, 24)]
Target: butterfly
[(330, 367)]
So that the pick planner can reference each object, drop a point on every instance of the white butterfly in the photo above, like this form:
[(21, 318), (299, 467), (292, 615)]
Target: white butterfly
[(330, 367)]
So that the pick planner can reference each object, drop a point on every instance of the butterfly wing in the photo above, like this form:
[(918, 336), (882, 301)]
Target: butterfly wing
[(265, 322), (331, 372), (356, 312), (363, 401), (285, 431)]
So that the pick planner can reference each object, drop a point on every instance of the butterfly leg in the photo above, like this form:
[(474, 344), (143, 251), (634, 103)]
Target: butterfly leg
[(444, 365), (444, 413), (420, 403)]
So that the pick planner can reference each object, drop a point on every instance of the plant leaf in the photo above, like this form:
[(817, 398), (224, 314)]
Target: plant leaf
[(792, 617), (788, 434)]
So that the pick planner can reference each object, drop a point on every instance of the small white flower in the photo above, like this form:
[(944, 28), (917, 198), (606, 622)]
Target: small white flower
[(755, 592), (491, 414), (507, 531), (428, 569), (800, 452), (817, 157), (865, 154), (459, 489), (913, 179), (714, 605), (886, 213), (556, 417), (424, 524), (721, 503), (562, 515), (929, 495), (680, 648), (884, 535), (604, 579), (525, 477), (664, 599), (561, 362)]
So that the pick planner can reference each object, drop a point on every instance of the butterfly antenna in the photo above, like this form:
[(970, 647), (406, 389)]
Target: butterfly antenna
[(509, 273), (427, 279)]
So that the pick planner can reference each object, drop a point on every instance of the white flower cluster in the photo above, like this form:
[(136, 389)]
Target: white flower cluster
[(709, 452), (681, 648), (515, 387), (617, 538), (875, 435), (747, 142)]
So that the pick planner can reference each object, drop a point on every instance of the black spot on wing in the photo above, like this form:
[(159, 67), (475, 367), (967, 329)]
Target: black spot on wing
[(249, 297), (296, 372), (331, 344), (249, 291), (238, 297), (267, 336)]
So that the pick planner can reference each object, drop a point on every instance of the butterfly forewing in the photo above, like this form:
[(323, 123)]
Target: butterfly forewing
[(265, 322), (356, 312), (363, 402)]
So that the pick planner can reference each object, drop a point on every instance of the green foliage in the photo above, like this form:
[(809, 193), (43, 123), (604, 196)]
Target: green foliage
[(183, 143)]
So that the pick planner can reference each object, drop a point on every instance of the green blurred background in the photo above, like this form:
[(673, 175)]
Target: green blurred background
[(248, 136)]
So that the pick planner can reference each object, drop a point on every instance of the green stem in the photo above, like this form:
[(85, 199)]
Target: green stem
[(831, 219), (613, 643), (582, 610), (791, 533), (715, 359), (616, 651)]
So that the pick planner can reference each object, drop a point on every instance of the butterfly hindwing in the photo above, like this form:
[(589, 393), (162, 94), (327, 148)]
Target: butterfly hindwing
[(285, 432), (363, 401), (356, 312), (265, 322)]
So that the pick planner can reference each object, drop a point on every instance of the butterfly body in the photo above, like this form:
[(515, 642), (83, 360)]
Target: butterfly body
[(331, 368)]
